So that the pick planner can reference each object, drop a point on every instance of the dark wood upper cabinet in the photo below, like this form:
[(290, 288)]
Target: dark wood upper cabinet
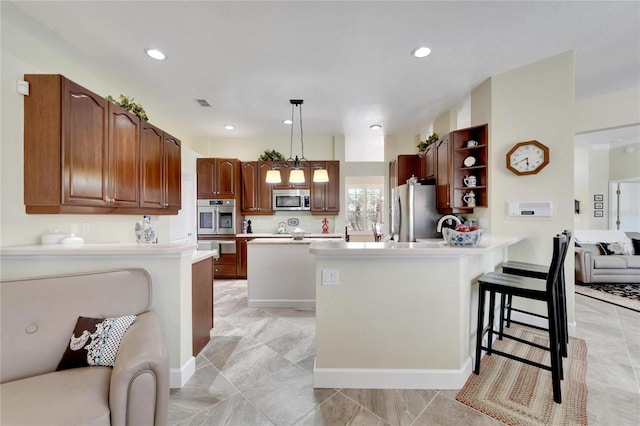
[(151, 159), (443, 170), (428, 164), (325, 197), (256, 192), (82, 153), (124, 158), (218, 177), (172, 172)]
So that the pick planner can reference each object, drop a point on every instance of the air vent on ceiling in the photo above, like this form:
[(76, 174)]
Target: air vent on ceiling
[(203, 102)]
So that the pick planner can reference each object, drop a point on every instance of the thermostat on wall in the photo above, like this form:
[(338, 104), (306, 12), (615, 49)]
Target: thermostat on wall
[(529, 208)]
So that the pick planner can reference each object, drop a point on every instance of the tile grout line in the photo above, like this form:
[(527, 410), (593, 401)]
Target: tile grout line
[(628, 352)]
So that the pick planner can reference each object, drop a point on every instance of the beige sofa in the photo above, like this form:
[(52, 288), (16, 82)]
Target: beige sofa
[(38, 317), (592, 266)]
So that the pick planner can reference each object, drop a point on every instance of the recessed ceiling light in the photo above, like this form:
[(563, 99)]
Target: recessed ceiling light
[(287, 121), (229, 127), (420, 52), (375, 126), (156, 54)]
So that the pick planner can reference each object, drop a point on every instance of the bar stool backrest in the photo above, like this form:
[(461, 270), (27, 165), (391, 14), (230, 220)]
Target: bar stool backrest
[(560, 247)]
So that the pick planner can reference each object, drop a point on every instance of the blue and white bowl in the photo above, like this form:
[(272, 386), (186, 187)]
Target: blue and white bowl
[(462, 239)]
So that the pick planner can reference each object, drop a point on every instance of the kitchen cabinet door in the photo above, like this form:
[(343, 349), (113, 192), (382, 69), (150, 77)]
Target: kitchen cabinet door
[(427, 164), (172, 173), (443, 170), (242, 257), (85, 147), (218, 178), (256, 192), (325, 197), (151, 169), (201, 303), (228, 177), (124, 158)]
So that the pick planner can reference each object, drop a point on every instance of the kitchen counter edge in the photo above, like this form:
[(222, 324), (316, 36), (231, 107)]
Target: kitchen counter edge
[(418, 249)]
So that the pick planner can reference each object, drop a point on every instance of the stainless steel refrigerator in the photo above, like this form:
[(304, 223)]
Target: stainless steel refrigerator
[(413, 212)]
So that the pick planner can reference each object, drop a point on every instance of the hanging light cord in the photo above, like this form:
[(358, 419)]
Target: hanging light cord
[(297, 162)]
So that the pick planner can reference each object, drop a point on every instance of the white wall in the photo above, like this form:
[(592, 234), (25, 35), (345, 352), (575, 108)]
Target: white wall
[(531, 102)]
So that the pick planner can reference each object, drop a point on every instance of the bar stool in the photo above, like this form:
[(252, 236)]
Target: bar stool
[(528, 288), (534, 270)]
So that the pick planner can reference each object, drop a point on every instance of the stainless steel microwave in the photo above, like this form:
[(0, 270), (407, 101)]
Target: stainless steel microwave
[(291, 199)]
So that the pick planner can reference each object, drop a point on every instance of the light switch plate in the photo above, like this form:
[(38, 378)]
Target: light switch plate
[(330, 277)]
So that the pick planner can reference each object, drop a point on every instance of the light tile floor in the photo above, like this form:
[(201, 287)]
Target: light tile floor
[(257, 370)]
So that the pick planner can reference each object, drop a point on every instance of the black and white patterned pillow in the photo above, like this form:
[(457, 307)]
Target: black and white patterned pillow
[(611, 248), (95, 341)]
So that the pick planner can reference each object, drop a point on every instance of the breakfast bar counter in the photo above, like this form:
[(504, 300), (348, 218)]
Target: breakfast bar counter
[(398, 315), (281, 272)]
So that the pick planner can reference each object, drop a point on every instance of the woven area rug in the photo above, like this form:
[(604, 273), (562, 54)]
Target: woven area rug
[(519, 394), (626, 295)]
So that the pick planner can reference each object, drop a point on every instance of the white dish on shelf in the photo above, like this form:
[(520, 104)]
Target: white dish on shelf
[(469, 161)]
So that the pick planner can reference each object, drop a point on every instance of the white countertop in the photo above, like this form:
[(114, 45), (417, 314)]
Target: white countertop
[(111, 249), (290, 240), (434, 247), (274, 235), (199, 255)]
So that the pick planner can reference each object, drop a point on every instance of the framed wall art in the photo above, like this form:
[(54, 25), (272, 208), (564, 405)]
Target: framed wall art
[(598, 197), (598, 206), (598, 213)]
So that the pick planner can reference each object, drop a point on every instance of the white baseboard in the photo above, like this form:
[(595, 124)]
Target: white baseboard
[(285, 303), (540, 322), (372, 378), (178, 377)]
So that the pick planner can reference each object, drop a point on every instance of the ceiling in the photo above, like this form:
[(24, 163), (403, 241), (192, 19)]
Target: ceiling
[(349, 61)]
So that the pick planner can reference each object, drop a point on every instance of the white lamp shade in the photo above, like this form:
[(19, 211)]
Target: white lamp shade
[(296, 176), (320, 175), (273, 176)]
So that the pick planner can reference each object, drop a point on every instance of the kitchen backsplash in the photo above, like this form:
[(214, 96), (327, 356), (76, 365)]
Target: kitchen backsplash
[(269, 224)]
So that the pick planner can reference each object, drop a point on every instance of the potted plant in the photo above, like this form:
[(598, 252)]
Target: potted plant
[(271, 155), (422, 146), (128, 104)]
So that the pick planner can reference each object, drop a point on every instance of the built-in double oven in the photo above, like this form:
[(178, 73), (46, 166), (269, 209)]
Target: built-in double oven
[(216, 217)]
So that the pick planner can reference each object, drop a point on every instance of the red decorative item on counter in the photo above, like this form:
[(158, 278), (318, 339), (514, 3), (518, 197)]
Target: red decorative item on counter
[(325, 226)]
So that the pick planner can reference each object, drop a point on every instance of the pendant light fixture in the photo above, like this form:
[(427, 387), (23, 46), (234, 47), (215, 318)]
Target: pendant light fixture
[(296, 175)]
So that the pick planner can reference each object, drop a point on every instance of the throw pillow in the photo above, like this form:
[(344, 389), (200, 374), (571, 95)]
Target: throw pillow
[(95, 341), (636, 246), (611, 248)]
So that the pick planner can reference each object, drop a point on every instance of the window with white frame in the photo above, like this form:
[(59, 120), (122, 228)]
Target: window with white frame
[(364, 202)]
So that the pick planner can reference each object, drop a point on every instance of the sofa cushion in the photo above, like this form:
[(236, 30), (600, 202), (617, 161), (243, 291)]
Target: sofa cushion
[(79, 396), (609, 262), (633, 262), (95, 341)]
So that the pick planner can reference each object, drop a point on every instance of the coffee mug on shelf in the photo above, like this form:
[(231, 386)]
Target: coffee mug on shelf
[(470, 180), (472, 143)]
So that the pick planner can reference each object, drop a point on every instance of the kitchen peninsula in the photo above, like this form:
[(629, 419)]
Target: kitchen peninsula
[(281, 271), (398, 315)]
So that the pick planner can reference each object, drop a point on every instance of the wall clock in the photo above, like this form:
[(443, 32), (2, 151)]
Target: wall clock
[(527, 158)]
